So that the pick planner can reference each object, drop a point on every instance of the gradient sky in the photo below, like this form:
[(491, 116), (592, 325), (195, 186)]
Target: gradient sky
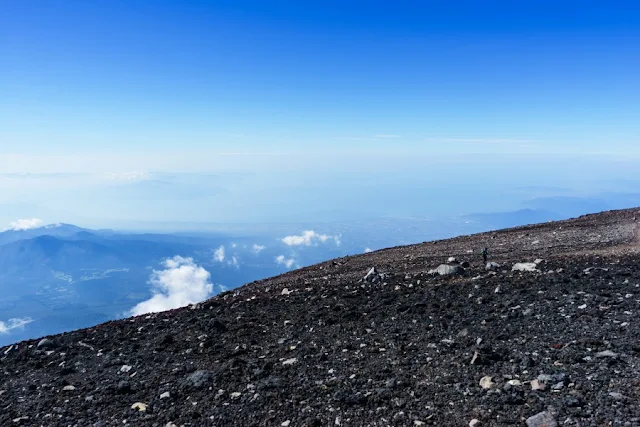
[(296, 97)]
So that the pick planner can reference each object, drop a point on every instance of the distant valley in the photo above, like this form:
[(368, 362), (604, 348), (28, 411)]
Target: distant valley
[(62, 277)]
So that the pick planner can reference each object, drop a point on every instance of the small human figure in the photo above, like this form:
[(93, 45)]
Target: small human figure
[(485, 253)]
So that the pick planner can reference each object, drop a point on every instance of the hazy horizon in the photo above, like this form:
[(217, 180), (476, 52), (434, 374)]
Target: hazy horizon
[(122, 113)]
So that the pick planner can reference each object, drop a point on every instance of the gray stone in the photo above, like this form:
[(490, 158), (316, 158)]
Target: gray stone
[(543, 419), (617, 396), (492, 266), (46, 344), (606, 353), (199, 379)]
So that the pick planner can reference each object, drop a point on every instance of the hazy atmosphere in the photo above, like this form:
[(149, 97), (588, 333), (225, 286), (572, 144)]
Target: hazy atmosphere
[(260, 137)]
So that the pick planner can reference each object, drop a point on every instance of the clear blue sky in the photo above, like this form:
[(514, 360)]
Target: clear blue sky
[(306, 87)]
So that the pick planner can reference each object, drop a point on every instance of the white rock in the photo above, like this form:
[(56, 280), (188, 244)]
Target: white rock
[(537, 385), (514, 383), (486, 383), (451, 259), (126, 368), (68, 388), (290, 362), (286, 423), (524, 266), (165, 395), (446, 270), (538, 261), (236, 395), (474, 422), (142, 407), (285, 291)]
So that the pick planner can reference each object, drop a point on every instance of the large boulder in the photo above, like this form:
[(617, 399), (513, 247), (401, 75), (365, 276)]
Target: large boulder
[(447, 270), (525, 266), (373, 276)]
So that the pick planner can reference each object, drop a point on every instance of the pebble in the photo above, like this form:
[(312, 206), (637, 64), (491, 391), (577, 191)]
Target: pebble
[(286, 423), (606, 353), (165, 395), (474, 422), (290, 362), (68, 388)]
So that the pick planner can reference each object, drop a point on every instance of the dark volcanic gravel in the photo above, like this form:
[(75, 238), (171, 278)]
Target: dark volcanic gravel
[(321, 347)]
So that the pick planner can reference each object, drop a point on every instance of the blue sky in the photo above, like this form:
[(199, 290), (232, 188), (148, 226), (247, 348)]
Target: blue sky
[(295, 99)]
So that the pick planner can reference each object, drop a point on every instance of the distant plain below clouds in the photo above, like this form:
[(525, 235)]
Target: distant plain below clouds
[(287, 262), (310, 238), (15, 323), (182, 282)]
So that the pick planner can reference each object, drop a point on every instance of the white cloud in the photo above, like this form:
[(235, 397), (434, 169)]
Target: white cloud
[(218, 254), (127, 176), (258, 248), (181, 283), (485, 140), (308, 238), (367, 250), (15, 323), (287, 262), (233, 245), (26, 224), (234, 262)]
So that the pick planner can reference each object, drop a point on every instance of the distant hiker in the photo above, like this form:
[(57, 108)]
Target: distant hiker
[(485, 253)]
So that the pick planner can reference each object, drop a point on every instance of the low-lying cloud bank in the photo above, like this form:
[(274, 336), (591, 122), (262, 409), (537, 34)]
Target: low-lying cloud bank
[(26, 224), (181, 283), (309, 238), (15, 323)]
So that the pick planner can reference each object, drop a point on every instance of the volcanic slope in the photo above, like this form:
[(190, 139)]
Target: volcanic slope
[(320, 346)]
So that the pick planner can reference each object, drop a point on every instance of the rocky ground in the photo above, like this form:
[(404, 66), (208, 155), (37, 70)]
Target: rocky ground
[(321, 346)]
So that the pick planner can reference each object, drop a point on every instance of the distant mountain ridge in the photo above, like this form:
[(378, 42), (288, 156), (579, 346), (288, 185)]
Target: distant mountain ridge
[(55, 230)]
